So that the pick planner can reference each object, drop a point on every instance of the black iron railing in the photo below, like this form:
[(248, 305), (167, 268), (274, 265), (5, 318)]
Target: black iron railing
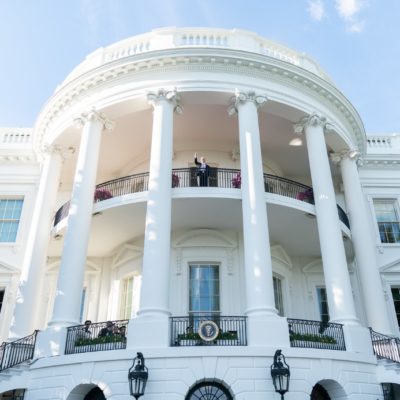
[(385, 346), (15, 394), (187, 177), (231, 330), (99, 336), (389, 232), (316, 334), (18, 351)]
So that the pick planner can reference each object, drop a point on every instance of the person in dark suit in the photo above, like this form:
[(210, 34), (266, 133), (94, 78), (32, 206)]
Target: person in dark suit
[(203, 170)]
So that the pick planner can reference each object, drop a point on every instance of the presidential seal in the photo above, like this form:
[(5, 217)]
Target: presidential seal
[(208, 331)]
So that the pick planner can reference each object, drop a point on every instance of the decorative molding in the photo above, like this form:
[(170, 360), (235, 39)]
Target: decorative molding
[(94, 115), (314, 120), (230, 61), (229, 263), (170, 95), (338, 156), (242, 97), (204, 238)]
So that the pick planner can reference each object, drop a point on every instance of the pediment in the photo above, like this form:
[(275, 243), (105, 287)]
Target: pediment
[(53, 266), (204, 238), (279, 254), (392, 267), (127, 252), (314, 267), (8, 269)]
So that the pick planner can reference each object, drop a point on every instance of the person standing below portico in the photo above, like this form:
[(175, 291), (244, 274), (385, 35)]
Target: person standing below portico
[(203, 170)]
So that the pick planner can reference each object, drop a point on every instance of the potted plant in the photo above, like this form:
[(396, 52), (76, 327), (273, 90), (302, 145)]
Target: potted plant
[(306, 195), (175, 180), (237, 181), (189, 339), (229, 338), (101, 194)]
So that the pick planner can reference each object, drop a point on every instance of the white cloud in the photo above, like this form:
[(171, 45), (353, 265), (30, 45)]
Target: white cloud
[(349, 11), (316, 9)]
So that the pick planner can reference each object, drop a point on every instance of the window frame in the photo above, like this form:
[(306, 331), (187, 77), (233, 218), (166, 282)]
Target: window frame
[(395, 201), (204, 263), (15, 197), (123, 297)]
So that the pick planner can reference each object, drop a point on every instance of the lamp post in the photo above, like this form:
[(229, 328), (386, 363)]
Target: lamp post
[(280, 373), (137, 376)]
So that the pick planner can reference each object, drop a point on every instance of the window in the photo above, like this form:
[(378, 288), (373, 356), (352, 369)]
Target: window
[(323, 304), (10, 213), (396, 302), (387, 215), (126, 298), (209, 391), (2, 291), (278, 295), (204, 289)]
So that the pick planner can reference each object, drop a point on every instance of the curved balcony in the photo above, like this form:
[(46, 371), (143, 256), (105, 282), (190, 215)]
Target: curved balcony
[(187, 177)]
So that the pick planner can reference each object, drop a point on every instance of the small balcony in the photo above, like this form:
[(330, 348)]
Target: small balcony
[(386, 347), (17, 352), (316, 334), (208, 330), (186, 177), (99, 336)]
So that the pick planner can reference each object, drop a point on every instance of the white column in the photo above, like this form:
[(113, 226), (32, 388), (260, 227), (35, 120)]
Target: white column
[(364, 244), (70, 278), (33, 268), (264, 325), (150, 327), (337, 279)]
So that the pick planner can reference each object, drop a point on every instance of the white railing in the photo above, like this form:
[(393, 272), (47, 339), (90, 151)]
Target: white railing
[(15, 136), (379, 141), (168, 38), (383, 144)]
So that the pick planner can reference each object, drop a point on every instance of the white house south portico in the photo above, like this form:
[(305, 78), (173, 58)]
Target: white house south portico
[(204, 286)]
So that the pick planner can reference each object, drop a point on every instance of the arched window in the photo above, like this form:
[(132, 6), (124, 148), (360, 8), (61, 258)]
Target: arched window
[(95, 394), (319, 393), (209, 391)]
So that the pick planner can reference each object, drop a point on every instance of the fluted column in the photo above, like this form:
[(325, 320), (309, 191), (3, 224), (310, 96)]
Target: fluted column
[(260, 304), (150, 327), (257, 255), (32, 274), (70, 278), (363, 242), (337, 279)]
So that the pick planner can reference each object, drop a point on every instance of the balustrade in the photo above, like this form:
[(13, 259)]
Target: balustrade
[(187, 177), (18, 351), (316, 334), (99, 336)]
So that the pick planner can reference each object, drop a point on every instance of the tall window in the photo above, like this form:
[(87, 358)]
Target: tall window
[(323, 304), (126, 298), (396, 302), (10, 213), (387, 215), (2, 291), (204, 296), (278, 295)]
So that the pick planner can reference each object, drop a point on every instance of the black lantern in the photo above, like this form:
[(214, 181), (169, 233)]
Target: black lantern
[(137, 376), (280, 373)]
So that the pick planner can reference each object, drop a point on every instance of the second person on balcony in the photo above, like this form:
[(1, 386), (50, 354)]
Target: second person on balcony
[(203, 170)]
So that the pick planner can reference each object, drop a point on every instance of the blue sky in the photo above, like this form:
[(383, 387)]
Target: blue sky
[(357, 42)]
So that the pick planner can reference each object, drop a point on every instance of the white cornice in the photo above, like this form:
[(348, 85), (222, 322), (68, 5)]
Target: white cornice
[(206, 60)]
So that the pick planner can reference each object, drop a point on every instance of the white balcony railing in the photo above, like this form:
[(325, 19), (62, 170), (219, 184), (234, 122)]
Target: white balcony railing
[(170, 38)]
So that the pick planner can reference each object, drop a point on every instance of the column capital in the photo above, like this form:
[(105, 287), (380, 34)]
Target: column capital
[(313, 119), (52, 149), (243, 97), (170, 95), (351, 154), (94, 115)]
